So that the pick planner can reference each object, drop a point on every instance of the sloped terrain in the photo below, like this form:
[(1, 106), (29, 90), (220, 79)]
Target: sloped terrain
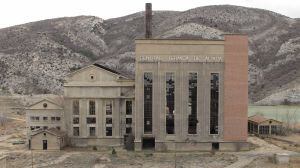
[(35, 57)]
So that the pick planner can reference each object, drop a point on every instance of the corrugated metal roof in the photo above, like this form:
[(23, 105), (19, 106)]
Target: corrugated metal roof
[(257, 118)]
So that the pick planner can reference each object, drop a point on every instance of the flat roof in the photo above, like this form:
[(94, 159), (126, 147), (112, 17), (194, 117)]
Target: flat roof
[(179, 41)]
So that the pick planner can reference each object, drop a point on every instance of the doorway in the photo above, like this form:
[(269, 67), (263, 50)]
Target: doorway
[(215, 146), (45, 144), (148, 143)]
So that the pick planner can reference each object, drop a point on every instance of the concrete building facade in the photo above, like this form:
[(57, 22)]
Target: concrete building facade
[(48, 139), (44, 114), (99, 106), (186, 92)]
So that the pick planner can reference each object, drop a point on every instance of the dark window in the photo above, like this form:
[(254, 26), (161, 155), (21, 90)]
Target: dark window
[(108, 131), (108, 108), (45, 118), (58, 128), (37, 118), (45, 105), (52, 118), (214, 103), (192, 104), (45, 127), (128, 107), (57, 118), (76, 120), (91, 120), (148, 102), (92, 107), (215, 146), (75, 107), (170, 102), (75, 131), (264, 129), (108, 120), (128, 130), (32, 128), (128, 120), (92, 131)]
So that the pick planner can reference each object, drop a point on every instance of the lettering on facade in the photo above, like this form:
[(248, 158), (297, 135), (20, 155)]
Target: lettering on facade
[(181, 59)]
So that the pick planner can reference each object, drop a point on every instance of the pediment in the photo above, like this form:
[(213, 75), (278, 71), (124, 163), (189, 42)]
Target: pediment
[(45, 104), (94, 73)]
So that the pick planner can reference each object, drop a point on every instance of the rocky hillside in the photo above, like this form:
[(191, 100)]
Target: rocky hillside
[(35, 57)]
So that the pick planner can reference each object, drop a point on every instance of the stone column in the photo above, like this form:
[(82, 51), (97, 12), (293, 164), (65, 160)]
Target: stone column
[(83, 115), (100, 118), (116, 118)]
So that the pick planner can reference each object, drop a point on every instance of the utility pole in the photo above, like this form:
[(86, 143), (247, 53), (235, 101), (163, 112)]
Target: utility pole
[(31, 158), (175, 163)]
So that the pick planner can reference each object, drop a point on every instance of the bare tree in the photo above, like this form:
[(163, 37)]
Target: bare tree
[(294, 120)]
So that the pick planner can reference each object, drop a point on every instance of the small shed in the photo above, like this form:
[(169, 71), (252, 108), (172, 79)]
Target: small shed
[(49, 139), (260, 125)]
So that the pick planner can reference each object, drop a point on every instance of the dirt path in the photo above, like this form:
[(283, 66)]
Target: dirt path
[(264, 149), (18, 119), (242, 162), (56, 161)]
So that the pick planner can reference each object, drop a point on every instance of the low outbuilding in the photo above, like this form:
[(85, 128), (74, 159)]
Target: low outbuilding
[(259, 125), (49, 139)]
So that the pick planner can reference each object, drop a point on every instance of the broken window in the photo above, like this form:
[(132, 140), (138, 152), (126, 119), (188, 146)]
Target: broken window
[(92, 131), (170, 102), (91, 120), (192, 104), (75, 131), (148, 102), (108, 121), (128, 120), (75, 107), (214, 103), (76, 120), (108, 131), (128, 107), (92, 107), (33, 118), (128, 130), (108, 108)]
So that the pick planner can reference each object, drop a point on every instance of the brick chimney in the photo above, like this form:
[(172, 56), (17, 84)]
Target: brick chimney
[(148, 21)]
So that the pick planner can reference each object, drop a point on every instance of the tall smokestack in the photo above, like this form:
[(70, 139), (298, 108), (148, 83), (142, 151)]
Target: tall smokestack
[(148, 21)]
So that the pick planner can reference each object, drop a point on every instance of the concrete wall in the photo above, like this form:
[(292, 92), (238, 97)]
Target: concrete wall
[(105, 87), (54, 142), (235, 88), (38, 110), (178, 56)]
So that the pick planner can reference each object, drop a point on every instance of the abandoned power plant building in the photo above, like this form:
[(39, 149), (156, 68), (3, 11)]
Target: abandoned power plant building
[(188, 94)]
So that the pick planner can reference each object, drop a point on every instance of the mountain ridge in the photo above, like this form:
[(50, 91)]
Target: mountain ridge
[(35, 57)]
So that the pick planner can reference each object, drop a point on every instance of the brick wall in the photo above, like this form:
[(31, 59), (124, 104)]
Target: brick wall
[(235, 87)]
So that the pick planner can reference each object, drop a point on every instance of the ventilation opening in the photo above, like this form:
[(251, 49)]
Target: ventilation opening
[(215, 146), (148, 143)]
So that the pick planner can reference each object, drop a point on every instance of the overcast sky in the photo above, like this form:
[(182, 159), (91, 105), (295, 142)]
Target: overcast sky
[(14, 12)]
